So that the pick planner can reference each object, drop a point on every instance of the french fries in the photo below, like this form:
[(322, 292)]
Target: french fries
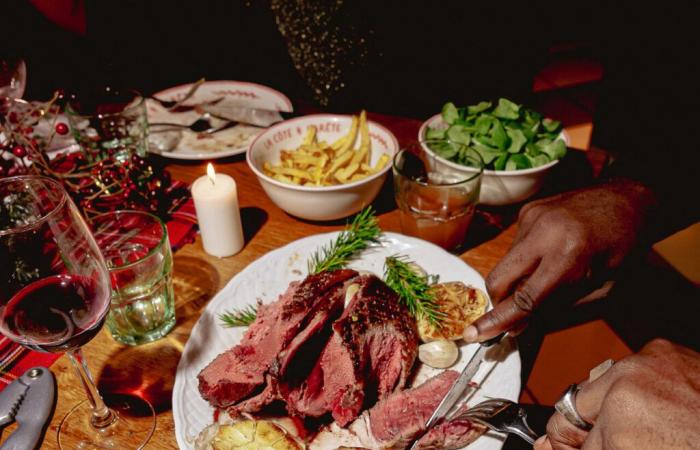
[(318, 163)]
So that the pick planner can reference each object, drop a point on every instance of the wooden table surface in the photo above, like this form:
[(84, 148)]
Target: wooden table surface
[(149, 369)]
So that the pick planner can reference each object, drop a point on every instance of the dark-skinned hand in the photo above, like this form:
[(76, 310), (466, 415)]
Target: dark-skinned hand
[(564, 241), (647, 401)]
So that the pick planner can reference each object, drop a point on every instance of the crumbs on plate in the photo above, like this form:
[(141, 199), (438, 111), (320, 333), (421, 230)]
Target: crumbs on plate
[(232, 138)]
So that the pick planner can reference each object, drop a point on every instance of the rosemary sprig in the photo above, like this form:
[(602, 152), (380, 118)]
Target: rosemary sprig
[(239, 317), (363, 230), (413, 288)]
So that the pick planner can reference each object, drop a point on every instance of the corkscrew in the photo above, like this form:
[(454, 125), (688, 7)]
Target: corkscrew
[(28, 401)]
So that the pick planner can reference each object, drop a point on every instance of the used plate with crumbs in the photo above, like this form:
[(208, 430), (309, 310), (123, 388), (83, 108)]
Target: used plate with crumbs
[(229, 142)]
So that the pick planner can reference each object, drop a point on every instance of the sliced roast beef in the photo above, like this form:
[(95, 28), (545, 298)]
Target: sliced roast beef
[(398, 419), (457, 433), (370, 354), (241, 372), (395, 421), (293, 364)]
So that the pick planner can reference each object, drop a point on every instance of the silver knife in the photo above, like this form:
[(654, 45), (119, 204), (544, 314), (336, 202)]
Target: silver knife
[(459, 386), (230, 109)]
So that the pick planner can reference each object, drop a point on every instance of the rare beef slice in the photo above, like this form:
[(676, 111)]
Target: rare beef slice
[(241, 372), (370, 354), (394, 422)]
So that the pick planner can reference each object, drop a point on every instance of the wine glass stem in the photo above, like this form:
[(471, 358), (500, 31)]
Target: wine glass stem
[(101, 415)]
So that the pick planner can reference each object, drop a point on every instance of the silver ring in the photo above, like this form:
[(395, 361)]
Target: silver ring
[(566, 406)]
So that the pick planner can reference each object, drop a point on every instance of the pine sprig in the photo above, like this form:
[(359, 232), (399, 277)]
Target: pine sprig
[(413, 288), (363, 230), (239, 317)]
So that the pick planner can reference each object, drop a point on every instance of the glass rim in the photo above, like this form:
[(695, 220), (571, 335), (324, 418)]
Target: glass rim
[(60, 204), (478, 171), (71, 112), (150, 253)]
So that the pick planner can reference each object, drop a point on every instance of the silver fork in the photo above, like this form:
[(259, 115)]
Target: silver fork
[(201, 125), (502, 415), (174, 104)]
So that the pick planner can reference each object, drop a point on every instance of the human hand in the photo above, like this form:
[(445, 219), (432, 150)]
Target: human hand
[(563, 241), (650, 400)]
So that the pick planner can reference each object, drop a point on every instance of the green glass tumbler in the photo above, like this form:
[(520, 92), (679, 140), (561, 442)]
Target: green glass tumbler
[(137, 251)]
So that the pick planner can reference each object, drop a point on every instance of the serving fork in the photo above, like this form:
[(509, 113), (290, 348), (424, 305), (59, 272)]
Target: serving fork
[(502, 415)]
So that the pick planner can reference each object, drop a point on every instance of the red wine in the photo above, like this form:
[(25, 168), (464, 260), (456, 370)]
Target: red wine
[(57, 313)]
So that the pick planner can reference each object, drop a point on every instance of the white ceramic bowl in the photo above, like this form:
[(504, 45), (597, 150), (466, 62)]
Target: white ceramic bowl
[(323, 202), (498, 187)]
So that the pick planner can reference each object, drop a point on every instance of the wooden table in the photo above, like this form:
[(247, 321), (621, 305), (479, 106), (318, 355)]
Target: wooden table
[(150, 369)]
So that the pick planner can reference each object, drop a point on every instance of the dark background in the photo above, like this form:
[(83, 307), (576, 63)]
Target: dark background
[(421, 54)]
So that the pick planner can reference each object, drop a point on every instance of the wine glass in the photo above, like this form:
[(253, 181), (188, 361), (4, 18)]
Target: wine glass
[(54, 297), (13, 77)]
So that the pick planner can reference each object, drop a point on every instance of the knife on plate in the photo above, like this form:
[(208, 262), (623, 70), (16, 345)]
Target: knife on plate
[(459, 386), (230, 109)]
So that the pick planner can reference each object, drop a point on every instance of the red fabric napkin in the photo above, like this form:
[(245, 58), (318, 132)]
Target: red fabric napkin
[(15, 359), (182, 227)]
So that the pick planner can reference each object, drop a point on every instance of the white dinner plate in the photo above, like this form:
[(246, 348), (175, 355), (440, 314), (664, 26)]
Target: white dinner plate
[(232, 141), (270, 275)]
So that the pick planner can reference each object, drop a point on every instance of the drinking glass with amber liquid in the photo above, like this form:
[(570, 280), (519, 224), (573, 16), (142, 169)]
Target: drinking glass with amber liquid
[(435, 203)]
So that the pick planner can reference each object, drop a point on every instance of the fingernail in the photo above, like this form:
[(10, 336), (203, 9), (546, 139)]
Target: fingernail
[(471, 334)]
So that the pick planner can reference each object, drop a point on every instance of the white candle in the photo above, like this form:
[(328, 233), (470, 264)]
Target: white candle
[(216, 202)]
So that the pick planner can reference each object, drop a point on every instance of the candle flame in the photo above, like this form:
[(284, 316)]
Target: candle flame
[(211, 173)]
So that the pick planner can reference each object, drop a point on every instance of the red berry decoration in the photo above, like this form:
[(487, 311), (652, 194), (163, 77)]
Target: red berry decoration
[(61, 128), (19, 151), (98, 182)]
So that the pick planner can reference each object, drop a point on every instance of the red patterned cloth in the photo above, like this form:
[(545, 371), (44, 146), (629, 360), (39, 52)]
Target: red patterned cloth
[(15, 359)]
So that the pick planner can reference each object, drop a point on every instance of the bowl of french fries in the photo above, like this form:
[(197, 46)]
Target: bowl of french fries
[(323, 166)]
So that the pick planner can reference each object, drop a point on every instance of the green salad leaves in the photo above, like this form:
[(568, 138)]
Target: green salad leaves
[(508, 136)]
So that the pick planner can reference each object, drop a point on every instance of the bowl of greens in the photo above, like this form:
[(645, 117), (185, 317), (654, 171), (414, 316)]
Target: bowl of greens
[(518, 145)]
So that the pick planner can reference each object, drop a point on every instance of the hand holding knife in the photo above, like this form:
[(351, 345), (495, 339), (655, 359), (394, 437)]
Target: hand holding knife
[(459, 386)]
